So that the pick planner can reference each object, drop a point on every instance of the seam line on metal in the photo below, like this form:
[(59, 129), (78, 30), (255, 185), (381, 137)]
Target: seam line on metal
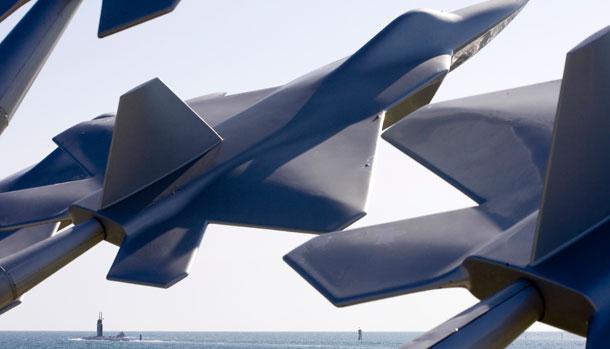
[(10, 279)]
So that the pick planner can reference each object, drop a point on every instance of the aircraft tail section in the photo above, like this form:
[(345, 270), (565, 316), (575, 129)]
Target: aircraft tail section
[(155, 133), (575, 196)]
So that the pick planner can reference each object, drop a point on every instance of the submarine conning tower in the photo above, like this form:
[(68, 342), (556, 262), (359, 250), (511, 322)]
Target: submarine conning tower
[(100, 325)]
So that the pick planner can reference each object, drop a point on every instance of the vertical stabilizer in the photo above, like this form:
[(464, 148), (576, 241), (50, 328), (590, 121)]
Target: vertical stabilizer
[(155, 133), (577, 187)]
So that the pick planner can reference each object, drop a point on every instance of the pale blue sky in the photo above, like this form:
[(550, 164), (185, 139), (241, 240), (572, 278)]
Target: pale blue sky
[(238, 280)]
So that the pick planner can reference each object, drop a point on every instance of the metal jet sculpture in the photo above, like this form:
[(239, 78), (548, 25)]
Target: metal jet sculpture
[(536, 246), (295, 157), (26, 48)]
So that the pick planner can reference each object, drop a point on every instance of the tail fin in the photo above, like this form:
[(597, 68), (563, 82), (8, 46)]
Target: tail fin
[(577, 190), (155, 132), (118, 15)]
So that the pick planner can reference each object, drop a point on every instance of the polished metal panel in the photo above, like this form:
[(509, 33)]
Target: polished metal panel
[(26, 48), (118, 15)]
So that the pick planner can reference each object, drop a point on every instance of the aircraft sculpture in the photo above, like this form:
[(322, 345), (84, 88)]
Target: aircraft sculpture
[(295, 157), (26, 48), (534, 159)]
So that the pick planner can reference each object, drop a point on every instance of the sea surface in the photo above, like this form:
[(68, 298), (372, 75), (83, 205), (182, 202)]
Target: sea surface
[(258, 340)]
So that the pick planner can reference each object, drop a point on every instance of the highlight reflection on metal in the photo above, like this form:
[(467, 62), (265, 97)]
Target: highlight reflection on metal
[(26, 48), (542, 216), (295, 157)]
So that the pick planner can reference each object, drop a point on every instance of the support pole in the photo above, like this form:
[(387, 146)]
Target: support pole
[(25, 269), (492, 323)]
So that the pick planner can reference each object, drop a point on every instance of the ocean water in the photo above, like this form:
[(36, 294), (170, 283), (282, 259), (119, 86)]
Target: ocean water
[(259, 340)]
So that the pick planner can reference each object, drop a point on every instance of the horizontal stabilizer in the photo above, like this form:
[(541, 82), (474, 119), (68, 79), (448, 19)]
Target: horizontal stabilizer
[(161, 255), (155, 133), (493, 147), (577, 188), (394, 258), (118, 15)]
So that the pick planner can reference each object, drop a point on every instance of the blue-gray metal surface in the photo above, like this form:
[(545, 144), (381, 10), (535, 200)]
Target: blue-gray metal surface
[(21, 271), (295, 157), (493, 323), (154, 134), (118, 15), (13, 241), (495, 148), (26, 48), (577, 187)]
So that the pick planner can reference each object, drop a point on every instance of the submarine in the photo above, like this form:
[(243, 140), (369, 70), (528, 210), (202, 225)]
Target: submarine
[(121, 337)]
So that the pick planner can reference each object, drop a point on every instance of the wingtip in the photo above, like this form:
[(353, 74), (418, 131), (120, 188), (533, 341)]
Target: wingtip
[(593, 40), (143, 280), (117, 15), (291, 260)]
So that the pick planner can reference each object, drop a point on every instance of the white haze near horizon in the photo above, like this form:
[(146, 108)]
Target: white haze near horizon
[(238, 280)]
